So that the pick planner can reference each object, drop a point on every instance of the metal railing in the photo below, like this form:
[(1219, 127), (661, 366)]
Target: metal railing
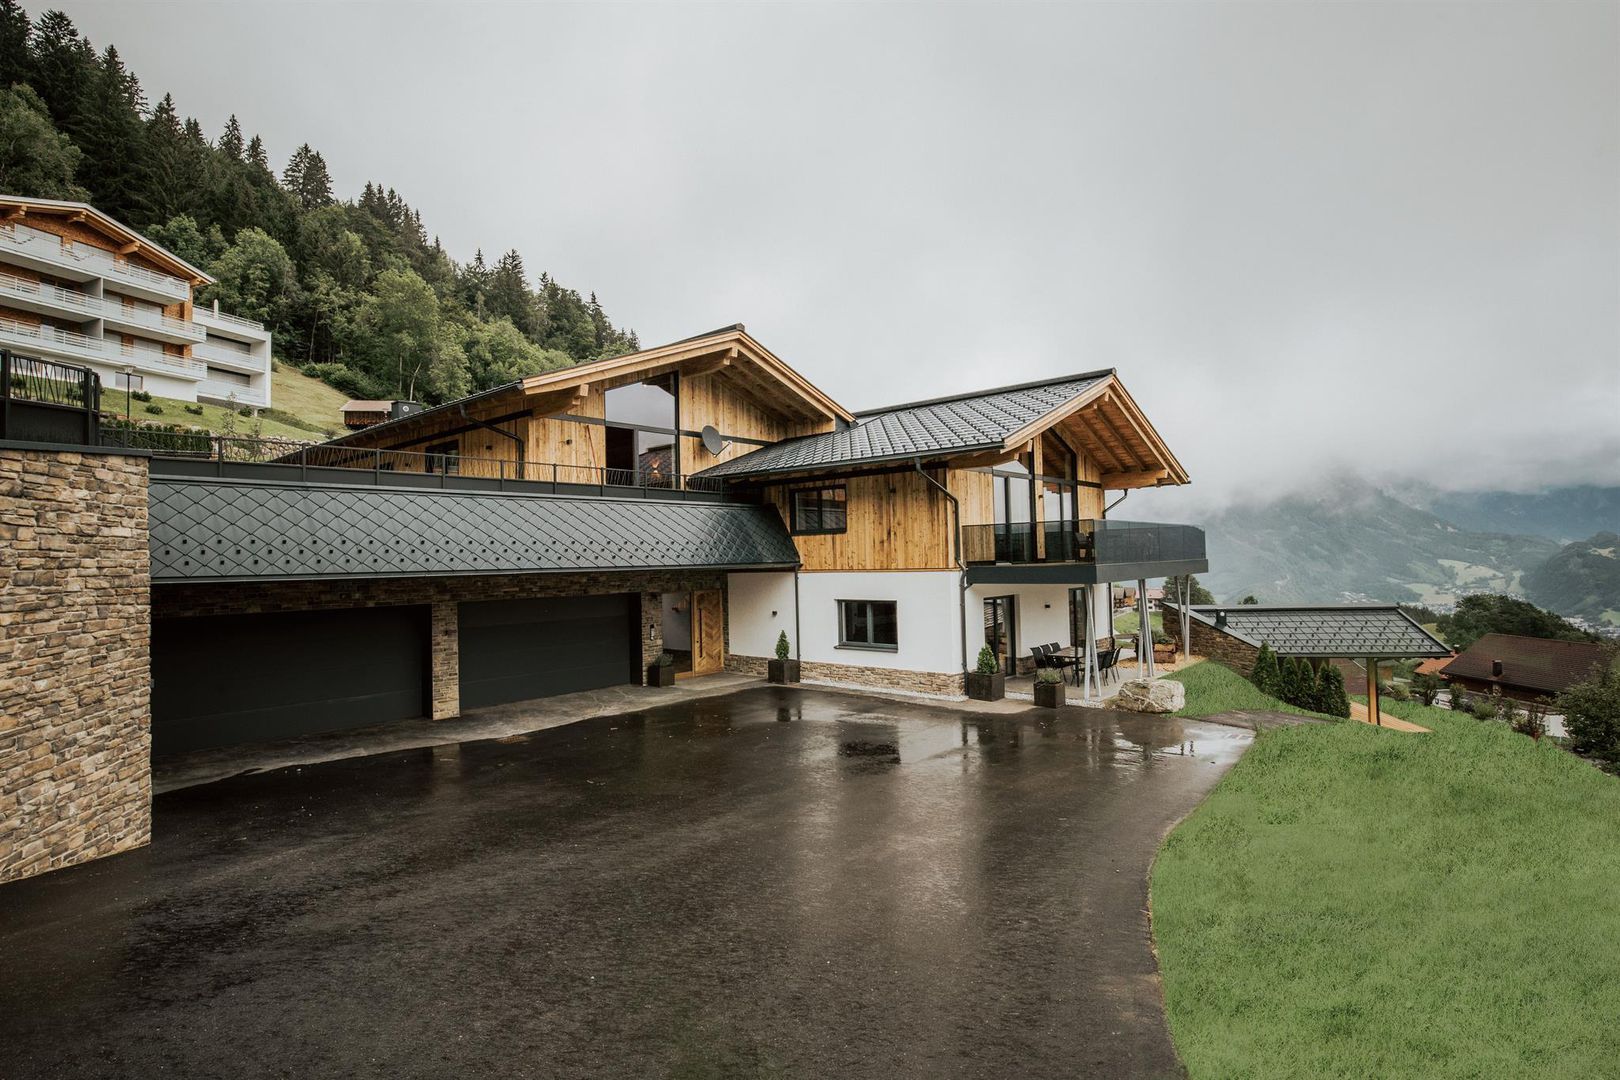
[(14, 286), (42, 400), (402, 466), (1091, 541), (154, 358), (224, 354), (156, 320), (208, 313), (91, 260), (233, 393)]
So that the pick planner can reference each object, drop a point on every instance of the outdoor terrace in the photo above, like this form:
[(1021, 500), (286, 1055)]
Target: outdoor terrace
[(1081, 553)]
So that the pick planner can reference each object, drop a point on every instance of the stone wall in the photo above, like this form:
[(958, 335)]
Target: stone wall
[(75, 725), (183, 599), (878, 678), (1210, 643)]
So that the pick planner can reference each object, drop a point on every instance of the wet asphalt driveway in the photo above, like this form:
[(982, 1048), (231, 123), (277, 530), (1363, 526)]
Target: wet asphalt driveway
[(791, 883)]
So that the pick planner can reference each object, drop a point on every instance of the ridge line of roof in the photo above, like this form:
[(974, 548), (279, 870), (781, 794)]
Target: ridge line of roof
[(75, 204), (1011, 388)]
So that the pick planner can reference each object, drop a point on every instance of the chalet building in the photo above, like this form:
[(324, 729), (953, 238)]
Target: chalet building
[(554, 534), (360, 413), (77, 287), (1529, 669)]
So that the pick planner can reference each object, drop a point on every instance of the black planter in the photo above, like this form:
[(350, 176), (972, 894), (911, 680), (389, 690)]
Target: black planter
[(982, 687), (1049, 695), (784, 671), (660, 674)]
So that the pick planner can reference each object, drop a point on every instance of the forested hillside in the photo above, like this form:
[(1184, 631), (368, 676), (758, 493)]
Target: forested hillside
[(354, 289)]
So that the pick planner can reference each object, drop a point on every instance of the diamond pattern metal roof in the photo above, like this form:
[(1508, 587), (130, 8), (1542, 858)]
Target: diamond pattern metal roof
[(927, 428), (205, 529), (1331, 630)]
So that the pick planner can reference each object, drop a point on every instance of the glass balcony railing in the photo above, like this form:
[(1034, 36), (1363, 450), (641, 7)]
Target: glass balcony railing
[(1082, 542)]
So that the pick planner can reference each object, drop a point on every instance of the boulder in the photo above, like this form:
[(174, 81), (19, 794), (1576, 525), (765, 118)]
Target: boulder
[(1150, 696)]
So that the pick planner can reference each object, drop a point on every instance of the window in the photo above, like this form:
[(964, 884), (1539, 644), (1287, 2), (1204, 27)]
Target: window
[(868, 624), (444, 457), (820, 510)]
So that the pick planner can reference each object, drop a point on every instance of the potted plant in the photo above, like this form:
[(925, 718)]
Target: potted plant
[(1164, 647), (661, 672), (783, 670), (1049, 688), (987, 683)]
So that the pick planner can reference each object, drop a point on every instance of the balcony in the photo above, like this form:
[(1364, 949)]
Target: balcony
[(48, 342), (230, 325), (81, 262), (150, 324), (1081, 553), (226, 357), (47, 299), (231, 393)]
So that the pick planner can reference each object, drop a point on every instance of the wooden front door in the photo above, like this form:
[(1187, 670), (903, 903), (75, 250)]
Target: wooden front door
[(708, 632)]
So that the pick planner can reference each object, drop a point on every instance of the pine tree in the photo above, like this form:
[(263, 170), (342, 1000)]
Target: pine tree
[(1265, 674), (256, 156), (1331, 697), (230, 140), (112, 139), (15, 29), (307, 180), (60, 67)]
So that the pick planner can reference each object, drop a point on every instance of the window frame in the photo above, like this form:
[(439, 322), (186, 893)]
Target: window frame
[(820, 491), (869, 645), (449, 455)]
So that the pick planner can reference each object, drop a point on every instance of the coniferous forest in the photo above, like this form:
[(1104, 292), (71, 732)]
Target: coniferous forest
[(354, 290)]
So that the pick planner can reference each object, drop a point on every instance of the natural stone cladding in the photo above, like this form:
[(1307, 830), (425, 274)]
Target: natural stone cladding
[(924, 682), (75, 725), (1212, 644), (444, 594)]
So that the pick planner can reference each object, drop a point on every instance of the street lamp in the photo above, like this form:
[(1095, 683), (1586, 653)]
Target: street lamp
[(129, 385)]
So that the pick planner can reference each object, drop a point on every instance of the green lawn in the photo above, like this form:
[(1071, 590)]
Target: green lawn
[(1355, 902), (1128, 622), (303, 408), (1212, 688)]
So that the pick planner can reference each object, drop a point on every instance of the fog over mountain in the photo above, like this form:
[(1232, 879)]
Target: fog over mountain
[(1312, 237)]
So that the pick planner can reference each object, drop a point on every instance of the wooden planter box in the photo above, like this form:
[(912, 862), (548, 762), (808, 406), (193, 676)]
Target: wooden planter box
[(783, 671), (1049, 695), (986, 687), (1164, 654), (660, 674)]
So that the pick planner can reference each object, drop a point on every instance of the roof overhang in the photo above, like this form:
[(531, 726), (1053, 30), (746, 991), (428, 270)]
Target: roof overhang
[(13, 207), (1418, 641), (1105, 422), (731, 350)]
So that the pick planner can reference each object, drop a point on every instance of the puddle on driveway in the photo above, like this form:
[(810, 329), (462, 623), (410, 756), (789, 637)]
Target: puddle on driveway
[(808, 882)]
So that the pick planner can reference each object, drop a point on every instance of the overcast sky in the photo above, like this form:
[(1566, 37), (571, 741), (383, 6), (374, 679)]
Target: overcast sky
[(1383, 236)]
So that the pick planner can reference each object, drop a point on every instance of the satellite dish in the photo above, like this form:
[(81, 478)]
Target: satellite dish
[(712, 442)]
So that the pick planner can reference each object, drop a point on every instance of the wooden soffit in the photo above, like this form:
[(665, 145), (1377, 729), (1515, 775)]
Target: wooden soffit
[(729, 354), (1105, 423)]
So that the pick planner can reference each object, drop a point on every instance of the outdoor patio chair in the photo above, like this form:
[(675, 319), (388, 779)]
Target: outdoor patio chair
[(1038, 652), (1108, 664)]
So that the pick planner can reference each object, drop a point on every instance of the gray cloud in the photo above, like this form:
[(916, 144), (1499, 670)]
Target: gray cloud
[(1385, 236)]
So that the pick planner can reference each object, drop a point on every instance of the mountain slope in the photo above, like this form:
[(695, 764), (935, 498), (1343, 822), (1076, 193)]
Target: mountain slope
[(1582, 579), (1350, 541), (1562, 514)]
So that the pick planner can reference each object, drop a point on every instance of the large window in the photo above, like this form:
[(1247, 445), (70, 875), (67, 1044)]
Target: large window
[(640, 438), (868, 624), (820, 510)]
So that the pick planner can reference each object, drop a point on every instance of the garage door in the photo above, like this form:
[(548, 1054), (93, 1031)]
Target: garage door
[(514, 650), (229, 679)]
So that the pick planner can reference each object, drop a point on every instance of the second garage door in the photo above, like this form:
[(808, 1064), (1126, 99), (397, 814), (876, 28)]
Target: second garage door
[(513, 650)]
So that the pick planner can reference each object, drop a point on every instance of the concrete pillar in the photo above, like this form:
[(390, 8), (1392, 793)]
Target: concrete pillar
[(446, 645)]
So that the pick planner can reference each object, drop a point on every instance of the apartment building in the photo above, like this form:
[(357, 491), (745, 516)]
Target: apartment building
[(78, 287)]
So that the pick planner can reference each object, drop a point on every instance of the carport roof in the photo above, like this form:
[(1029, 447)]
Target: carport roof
[(224, 530), (1330, 630)]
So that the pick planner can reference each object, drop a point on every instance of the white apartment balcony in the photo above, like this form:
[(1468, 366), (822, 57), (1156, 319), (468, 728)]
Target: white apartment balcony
[(229, 393), (46, 299), (231, 326), (47, 252), (49, 343), (150, 324), (223, 356)]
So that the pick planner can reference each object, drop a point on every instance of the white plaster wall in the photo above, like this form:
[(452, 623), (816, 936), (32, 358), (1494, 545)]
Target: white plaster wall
[(759, 606), (926, 607), (1041, 614)]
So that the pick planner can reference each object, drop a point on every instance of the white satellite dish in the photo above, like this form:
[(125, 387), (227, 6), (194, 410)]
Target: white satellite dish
[(712, 442)]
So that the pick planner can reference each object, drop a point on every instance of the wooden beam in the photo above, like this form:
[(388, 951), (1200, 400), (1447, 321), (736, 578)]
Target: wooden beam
[(710, 367), (130, 248), (1062, 412), (1135, 458), (1100, 448), (1118, 481)]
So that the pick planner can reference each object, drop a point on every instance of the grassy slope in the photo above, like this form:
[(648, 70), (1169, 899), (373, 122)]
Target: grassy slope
[(1128, 622), (1357, 902), (304, 408), (1213, 689)]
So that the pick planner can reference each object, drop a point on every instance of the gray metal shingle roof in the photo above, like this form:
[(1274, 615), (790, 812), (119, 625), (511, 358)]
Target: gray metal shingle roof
[(223, 530), (1343, 630), (925, 429)]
